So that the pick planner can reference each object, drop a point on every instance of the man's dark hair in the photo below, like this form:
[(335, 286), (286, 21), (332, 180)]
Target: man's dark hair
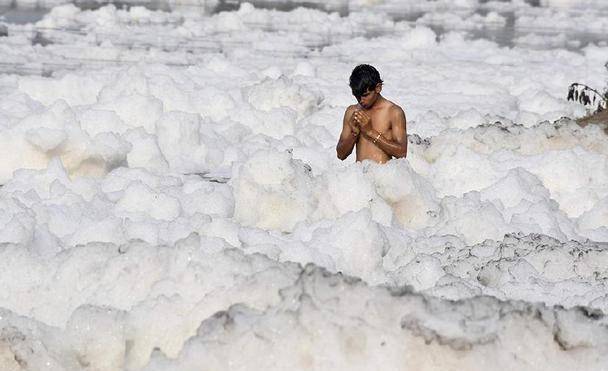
[(364, 78)]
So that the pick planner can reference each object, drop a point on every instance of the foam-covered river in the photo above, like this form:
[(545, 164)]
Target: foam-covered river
[(171, 199)]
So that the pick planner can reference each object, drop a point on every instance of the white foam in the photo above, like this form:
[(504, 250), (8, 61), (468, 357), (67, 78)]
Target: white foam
[(170, 196)]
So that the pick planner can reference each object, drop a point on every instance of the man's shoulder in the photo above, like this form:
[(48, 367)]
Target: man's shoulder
[(351, 108), (394, 108), (395, 112)]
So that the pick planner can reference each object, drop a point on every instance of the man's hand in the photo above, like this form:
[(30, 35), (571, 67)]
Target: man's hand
[(362, 119)]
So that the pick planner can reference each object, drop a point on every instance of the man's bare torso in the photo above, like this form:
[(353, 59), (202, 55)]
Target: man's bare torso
[(381, 122), (376, 127)]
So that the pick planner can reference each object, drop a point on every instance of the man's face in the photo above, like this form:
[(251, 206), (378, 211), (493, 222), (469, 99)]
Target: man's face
[(368, 98)]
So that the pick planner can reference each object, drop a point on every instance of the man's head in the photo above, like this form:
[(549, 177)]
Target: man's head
[(366, 84)]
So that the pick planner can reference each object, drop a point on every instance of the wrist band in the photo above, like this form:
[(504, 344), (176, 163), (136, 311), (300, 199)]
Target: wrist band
[(378, 137)]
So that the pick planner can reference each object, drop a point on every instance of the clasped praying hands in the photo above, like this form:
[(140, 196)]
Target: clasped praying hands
[(362, 119), (363, 123)]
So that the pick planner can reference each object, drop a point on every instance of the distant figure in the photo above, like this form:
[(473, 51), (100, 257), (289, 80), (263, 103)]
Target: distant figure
[(376, 125)]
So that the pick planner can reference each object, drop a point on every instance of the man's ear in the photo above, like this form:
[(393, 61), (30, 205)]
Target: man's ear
[(378, 88)]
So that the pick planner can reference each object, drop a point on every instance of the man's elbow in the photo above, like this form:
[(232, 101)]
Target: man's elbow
[(341, 153), (402, 153)]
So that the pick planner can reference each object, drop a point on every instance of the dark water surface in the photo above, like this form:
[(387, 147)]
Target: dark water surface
[(21, 15)]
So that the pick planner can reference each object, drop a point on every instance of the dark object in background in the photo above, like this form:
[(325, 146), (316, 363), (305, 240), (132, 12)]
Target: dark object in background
[(3, 30), (588, 96)]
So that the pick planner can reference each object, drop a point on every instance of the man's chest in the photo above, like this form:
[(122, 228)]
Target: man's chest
[(381, 122)]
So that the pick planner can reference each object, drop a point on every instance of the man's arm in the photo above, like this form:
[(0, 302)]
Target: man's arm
[(396, 147), (348, 137)]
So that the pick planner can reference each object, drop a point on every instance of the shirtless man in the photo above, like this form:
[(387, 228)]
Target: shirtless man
[(376, 125)]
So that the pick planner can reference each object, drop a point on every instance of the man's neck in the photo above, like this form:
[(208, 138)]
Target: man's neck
[(377, 103)]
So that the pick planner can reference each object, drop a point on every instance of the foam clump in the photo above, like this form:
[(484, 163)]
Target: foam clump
[(355, 243), (277, 185), (170, 197), (128, 203), (411, 197), (287, 193), (560, 154), (139, 199), (531, 268), (280, 92), (524, 201), (466, 119), (328, 332), (594, 220), (112, 338), (56, 132)]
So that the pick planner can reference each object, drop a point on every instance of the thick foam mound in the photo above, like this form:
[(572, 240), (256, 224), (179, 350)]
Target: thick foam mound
[(340, 323), (170, 198)]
